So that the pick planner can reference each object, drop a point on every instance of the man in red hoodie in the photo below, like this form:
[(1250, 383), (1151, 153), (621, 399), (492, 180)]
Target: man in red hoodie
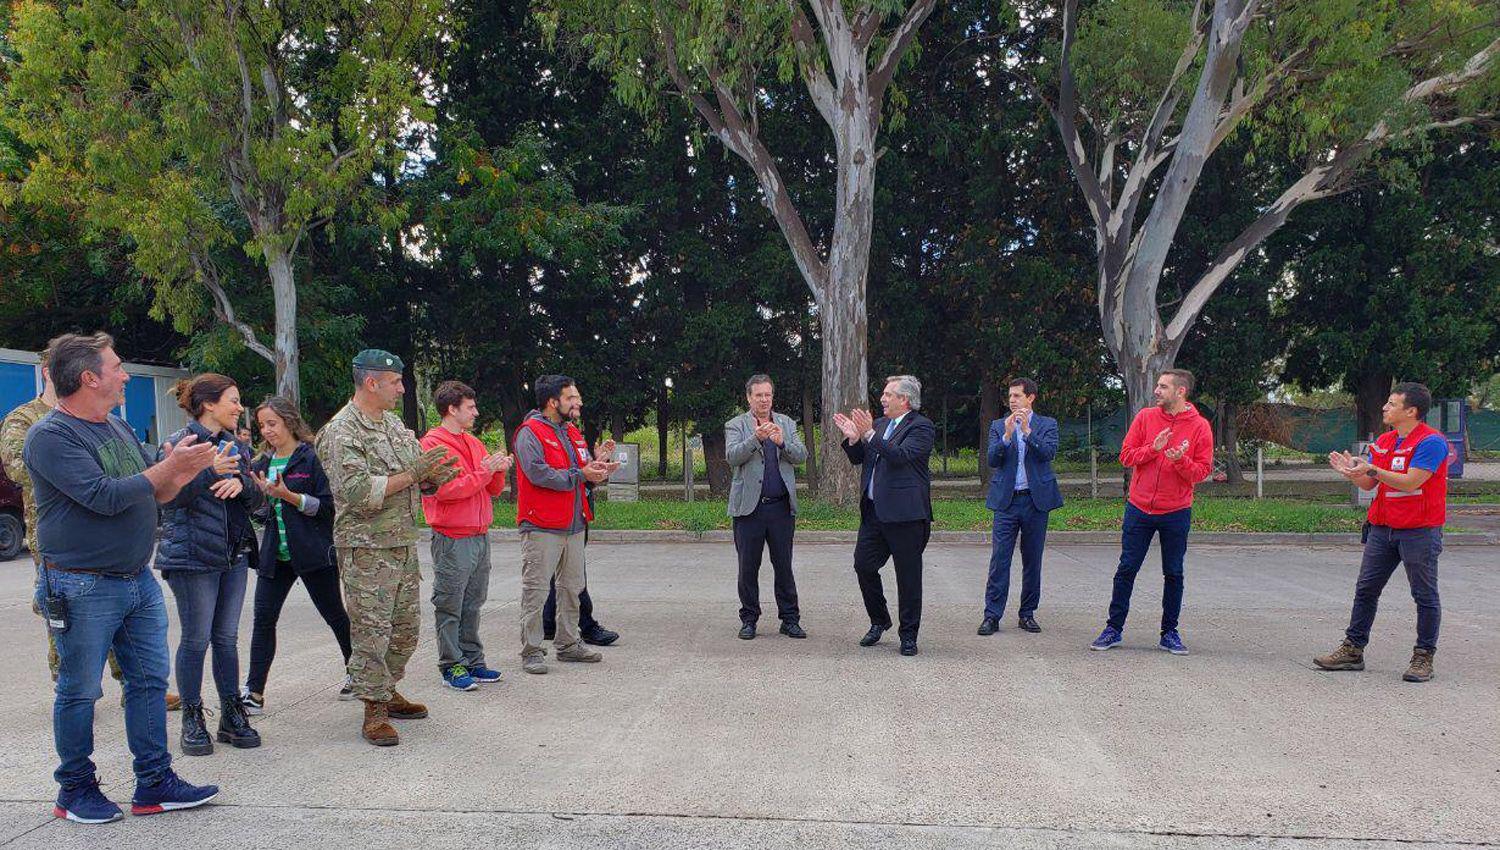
[(1169, 448), (460, 513)]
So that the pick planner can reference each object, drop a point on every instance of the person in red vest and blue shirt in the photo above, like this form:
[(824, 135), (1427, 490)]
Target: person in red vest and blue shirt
[(1169, 448), (1407, 467), (553, 469)]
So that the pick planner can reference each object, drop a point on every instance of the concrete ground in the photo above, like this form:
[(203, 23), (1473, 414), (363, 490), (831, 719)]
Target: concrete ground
[(688, 737)]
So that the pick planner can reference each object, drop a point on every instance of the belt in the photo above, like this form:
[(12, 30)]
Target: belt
[(1025, 490), (85, 570), (766, 500)]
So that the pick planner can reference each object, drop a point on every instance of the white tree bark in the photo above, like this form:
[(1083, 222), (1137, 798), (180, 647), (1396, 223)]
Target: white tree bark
[(1130, 262), (850, 102)]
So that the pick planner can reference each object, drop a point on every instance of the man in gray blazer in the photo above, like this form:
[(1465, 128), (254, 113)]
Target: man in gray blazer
[(761, 447)]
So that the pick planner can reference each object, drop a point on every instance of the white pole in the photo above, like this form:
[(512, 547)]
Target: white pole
[(1093, 473), (1260, 472)]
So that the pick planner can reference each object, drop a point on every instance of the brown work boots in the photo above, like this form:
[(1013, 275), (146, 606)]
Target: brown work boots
[(377, 728), (1420, 669), (402, 708), (1346, 657), (1351, 657)]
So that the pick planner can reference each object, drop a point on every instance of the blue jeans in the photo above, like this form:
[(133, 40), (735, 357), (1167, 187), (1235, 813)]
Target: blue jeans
[(1135, 539), (208, 605), (126, 614), (1385, 549), (1020, 520)]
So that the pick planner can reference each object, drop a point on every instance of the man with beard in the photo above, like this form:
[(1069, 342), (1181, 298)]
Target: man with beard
[(553, 469)]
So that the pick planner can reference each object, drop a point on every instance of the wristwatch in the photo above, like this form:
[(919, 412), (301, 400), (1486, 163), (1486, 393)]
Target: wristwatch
[(1373, 473)]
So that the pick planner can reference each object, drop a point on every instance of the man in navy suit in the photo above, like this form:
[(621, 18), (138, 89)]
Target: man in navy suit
[(895, 504), (1023, 490)]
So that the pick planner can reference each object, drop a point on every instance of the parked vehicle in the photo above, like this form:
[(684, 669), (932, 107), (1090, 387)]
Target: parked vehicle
[(12, 527)]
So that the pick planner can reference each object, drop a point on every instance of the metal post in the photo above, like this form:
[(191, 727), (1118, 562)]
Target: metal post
[(945, 435), (1093, 473), (1260, 472), (687, 466)]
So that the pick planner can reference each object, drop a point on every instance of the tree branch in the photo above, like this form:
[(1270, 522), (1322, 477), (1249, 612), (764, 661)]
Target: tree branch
[(900, 42), (810, 58), (1065, 115), (208, 274), (730, 127)]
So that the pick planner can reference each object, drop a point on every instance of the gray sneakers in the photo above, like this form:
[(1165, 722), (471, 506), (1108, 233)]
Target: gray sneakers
[(579, 652), (534, 665)]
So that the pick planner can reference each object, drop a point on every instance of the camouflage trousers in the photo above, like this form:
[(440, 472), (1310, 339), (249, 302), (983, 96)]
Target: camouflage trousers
[(52, 660), (382, 595)]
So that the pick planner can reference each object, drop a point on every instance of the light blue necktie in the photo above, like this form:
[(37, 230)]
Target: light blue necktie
[(890, 428)]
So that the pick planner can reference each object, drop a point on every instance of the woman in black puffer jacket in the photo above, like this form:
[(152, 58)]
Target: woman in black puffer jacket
[(207, 545)]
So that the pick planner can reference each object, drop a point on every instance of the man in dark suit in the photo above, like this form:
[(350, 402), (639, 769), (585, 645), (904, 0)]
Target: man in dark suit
[(895, 505), (1023, 490)]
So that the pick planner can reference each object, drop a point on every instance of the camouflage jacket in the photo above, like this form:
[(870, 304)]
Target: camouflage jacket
[(12, 441), (360, 455)]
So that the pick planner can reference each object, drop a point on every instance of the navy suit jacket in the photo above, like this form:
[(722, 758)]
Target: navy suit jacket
[(1041, 447), (903, 483)]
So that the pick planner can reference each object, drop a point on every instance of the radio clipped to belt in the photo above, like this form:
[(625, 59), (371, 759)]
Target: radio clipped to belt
[(54, 606)]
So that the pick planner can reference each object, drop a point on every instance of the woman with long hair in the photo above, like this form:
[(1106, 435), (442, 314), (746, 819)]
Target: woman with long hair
[(297, 542), (207, 544)]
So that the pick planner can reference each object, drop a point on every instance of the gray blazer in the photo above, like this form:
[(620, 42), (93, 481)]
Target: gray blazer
[(749, 463)]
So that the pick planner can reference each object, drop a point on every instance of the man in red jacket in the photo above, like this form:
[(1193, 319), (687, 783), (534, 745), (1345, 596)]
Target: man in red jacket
[(1408, 470), (460, 513), (1169, 448)]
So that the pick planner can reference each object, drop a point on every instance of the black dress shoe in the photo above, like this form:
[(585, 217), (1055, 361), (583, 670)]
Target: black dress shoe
[(908, 647), (747, 631), (989, 626), (600, 636), (1028, 624), (872, 637), (793, 630)]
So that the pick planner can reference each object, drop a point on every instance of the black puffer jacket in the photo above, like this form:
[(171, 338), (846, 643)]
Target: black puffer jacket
[(309, 537), (201, 532)]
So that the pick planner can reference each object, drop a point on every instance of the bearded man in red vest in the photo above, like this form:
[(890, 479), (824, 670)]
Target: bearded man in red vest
[(1407, 467), (553, 469)]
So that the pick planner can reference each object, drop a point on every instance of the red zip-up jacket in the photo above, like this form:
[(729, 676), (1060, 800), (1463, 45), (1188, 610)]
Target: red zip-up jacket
[(464, 507), (1159, 485)]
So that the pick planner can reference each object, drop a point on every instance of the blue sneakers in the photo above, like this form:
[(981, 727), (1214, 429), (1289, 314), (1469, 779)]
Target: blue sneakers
[(1106, 639), (484, 675), (457, 677), (86, 804), (1172, 643), (170, 795)]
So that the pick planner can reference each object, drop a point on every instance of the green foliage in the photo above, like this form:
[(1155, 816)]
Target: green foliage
[(188, 129), (1400, 282), (1209, 515)]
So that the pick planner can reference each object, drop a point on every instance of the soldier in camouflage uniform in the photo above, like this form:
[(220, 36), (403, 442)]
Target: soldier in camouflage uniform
[(12, 441), (377, 471)]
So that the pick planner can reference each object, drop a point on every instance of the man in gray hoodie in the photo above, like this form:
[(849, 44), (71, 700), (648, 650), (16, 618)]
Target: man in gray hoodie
[(553, 469)]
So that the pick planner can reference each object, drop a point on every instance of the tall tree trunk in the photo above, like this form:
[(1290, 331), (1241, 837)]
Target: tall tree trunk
[(1229, 438), (617, 426), (1371, 389), (842, 310), (809, 434), (719, 473), (284, 297), (989, 411)]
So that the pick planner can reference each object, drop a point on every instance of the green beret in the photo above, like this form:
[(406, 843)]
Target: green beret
[(376, 360)]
